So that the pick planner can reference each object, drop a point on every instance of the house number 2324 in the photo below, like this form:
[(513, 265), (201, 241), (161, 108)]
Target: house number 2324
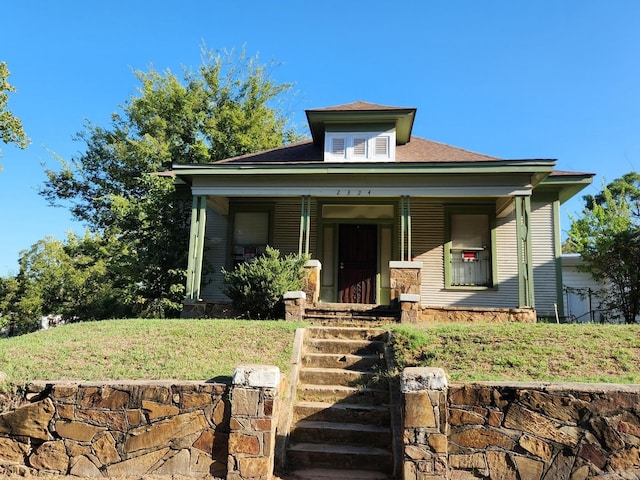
[(353, 192)]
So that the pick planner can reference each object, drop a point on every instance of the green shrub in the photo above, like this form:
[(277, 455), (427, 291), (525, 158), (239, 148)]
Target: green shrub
[(257, 288)]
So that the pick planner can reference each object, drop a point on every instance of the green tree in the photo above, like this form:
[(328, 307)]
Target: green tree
[(607, 236), (11, 130), (229, 106), (69, 278)]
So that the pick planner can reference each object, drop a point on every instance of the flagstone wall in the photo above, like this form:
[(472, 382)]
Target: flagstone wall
[(517, 431), (139, 428)]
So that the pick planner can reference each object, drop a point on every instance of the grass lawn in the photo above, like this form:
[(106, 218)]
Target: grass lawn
[(208, 349), (524, 352), (145, 349)]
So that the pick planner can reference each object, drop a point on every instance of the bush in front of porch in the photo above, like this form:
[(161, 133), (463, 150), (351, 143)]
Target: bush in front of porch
[(257, 288)]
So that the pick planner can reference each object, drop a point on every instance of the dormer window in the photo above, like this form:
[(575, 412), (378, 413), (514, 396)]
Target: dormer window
[(359, 146)]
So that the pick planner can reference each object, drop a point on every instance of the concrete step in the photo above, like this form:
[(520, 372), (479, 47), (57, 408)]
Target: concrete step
[(356, 320), (346, 333), (348, 457), (342, 412), (335, 376), (341, 434), (334, 474), (338, 360), (352, 347), (342, 394)]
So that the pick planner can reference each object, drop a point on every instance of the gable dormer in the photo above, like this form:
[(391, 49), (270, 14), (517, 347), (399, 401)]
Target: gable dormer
[(360, 131)]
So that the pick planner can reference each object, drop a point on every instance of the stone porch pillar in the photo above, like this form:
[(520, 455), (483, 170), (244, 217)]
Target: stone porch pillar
[(425, 423), (404, 277), (252, 428), (312, 288)]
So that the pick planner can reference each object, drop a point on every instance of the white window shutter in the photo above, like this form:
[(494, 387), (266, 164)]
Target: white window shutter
[(382, 146), (337, 146), (359, 147)]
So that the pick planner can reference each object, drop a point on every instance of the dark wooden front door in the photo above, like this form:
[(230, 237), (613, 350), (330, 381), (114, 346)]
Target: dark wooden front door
[(357, 263)]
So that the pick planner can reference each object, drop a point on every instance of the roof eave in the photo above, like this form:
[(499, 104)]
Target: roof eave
[(402, 118), (567, 185), (538, 169)]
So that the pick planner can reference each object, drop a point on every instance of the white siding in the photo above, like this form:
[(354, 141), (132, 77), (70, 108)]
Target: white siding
[(580, 292), (428, 236), (286, 226), (544, 258)]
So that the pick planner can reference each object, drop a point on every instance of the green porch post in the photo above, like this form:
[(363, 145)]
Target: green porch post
[(558, 253), (305, 225), (405, 228), (525, 261), (196, 246)]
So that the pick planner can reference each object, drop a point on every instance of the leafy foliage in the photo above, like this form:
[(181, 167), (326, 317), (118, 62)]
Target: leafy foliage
[(607, 235), (11, 130), (257, 288), (71, 279), (229, 106)]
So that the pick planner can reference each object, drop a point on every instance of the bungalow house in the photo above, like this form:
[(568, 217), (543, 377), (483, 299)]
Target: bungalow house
[(385, 214)]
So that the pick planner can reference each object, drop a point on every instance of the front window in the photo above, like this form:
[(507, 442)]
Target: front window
[(469, 250), (250, 235)]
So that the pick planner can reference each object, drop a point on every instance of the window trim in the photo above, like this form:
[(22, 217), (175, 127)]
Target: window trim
[(488, 210)]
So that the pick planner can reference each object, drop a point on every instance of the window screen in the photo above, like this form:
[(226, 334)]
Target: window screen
[(251, 228)]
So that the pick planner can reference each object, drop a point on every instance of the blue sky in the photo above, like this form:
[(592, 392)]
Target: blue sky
[(514, 79)]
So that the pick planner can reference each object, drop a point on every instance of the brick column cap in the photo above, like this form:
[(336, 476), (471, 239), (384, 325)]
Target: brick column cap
[(257, 376), (414, 379)]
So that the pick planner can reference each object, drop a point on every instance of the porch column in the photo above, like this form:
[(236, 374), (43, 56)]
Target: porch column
[(525, 262), (305, 225), (196, 246), (405, 228)]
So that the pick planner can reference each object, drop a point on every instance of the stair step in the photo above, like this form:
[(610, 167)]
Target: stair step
[(363, 320), (335, 376), (353, 347), (341, 412), (335, 474), (341, 434), (343, 456), (339, 360), (342, 394), (346, 333)]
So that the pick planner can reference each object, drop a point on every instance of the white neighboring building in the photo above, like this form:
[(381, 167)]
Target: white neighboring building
[(581, 300)]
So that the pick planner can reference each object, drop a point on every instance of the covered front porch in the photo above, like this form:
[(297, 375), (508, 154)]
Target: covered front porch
[(394, 251)]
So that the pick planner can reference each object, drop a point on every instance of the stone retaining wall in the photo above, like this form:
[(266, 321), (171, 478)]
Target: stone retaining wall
[(518, 431), (139, 428), (536, 431)]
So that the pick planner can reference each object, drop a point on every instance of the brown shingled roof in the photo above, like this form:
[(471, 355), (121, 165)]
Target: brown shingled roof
[(358, 106), (417, 150)]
